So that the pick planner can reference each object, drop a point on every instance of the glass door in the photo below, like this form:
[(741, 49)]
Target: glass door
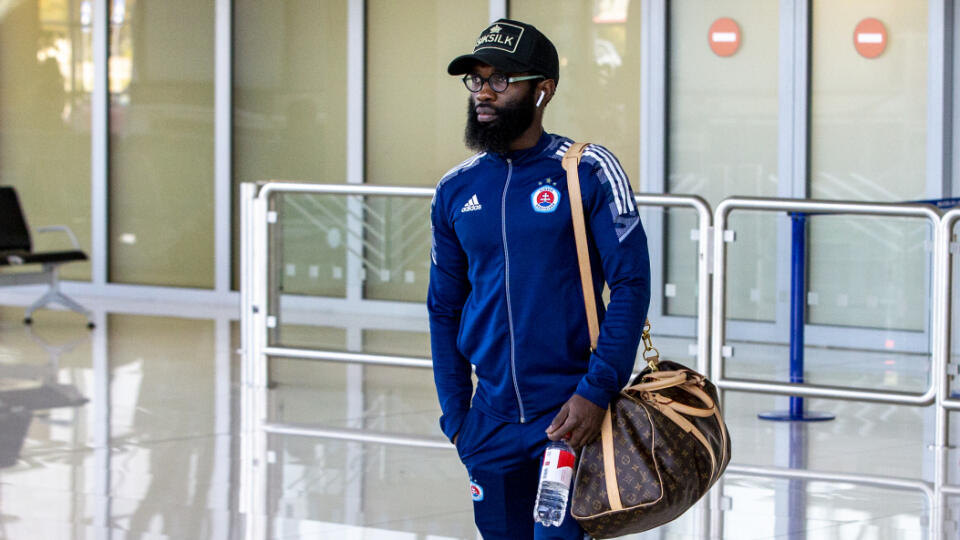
[(868, 142), (722, 141)]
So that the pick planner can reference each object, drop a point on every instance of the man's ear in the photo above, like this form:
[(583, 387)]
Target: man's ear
[(547, 87)]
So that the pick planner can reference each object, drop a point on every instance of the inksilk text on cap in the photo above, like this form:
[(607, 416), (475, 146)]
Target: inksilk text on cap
[(512, 47)]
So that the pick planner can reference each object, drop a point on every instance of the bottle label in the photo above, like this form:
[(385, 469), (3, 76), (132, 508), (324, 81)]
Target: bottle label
[(557, 466)]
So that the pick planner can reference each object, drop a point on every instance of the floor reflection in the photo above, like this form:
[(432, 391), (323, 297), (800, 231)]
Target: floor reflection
[(29, 389), (140, 429)]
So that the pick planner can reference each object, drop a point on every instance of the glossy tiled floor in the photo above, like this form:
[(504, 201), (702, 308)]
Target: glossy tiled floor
[(136, 430)]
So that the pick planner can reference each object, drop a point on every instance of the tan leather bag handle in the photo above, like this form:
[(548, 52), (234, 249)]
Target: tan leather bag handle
[(675, 379)]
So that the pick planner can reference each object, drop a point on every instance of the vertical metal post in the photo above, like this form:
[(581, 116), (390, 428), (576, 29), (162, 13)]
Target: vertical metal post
[(653, 96), (254, 294), (798, 318), (223, 134), (262, 267), (942, 327), (941, 356), (356, 147), (99, 145), (704, 248), (248, 192), (718, 311), (941, 330), (939, 96), (263, 299), (798, 304), (498, 9)]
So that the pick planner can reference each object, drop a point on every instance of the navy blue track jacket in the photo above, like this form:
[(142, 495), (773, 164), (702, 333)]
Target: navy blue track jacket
[(505, 292)]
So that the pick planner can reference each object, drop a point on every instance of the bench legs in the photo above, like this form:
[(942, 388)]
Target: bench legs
[(55, 296)]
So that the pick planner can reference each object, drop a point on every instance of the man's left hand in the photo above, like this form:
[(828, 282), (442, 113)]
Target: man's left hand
[(579, 417)]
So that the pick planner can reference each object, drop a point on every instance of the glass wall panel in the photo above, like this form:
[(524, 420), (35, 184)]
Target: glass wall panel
[(46, 74), (161, 142), (311, 240), (415, 119), (289, 123), (415, 111), (396, 256), (722, 142), (598, 96), (868, 139)]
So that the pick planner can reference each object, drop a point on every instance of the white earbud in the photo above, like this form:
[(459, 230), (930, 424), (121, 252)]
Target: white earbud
[(540, 100)]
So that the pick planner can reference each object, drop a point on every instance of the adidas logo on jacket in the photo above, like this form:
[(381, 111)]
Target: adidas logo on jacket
[(472, 205)]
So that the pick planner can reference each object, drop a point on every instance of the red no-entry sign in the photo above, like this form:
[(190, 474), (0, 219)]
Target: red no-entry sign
[(724, 37), (870, 38)]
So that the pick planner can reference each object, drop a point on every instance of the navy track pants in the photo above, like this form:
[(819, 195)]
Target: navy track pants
[(503, 461)]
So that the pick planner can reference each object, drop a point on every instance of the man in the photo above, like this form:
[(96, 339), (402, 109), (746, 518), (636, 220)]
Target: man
[(505, 292)]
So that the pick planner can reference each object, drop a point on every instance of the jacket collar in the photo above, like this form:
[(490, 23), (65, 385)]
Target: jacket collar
[(527, 153)]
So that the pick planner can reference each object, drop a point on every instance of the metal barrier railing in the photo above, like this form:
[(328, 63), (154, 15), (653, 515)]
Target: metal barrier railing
[(259, 307), (719, 300)]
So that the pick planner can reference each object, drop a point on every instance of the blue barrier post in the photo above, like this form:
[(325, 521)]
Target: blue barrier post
[(798, 278), (798, 304)]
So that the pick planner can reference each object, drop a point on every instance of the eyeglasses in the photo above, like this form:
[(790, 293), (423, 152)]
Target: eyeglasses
[(498, 81)]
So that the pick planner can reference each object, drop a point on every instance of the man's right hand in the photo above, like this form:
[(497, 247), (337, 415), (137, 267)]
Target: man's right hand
[(455, 438), (579, 419)]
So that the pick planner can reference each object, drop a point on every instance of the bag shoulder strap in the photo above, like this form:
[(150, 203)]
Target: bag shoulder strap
[(571, 161)]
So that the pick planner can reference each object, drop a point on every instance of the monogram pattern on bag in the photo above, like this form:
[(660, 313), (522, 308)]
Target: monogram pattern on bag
[(661, 469)]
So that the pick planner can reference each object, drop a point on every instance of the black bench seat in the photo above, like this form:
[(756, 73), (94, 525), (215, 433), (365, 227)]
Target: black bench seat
[(14, 258), (16, 249)]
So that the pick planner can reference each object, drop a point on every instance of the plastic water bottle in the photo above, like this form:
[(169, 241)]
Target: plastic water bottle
[(555, 477)]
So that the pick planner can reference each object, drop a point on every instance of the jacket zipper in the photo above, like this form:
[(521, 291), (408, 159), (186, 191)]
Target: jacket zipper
[(506, 260)]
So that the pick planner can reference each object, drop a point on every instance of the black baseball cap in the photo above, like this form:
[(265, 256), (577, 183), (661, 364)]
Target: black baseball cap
[(511, 46)]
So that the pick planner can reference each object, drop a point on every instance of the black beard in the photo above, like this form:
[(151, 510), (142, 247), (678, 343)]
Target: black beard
[(496, 136)]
